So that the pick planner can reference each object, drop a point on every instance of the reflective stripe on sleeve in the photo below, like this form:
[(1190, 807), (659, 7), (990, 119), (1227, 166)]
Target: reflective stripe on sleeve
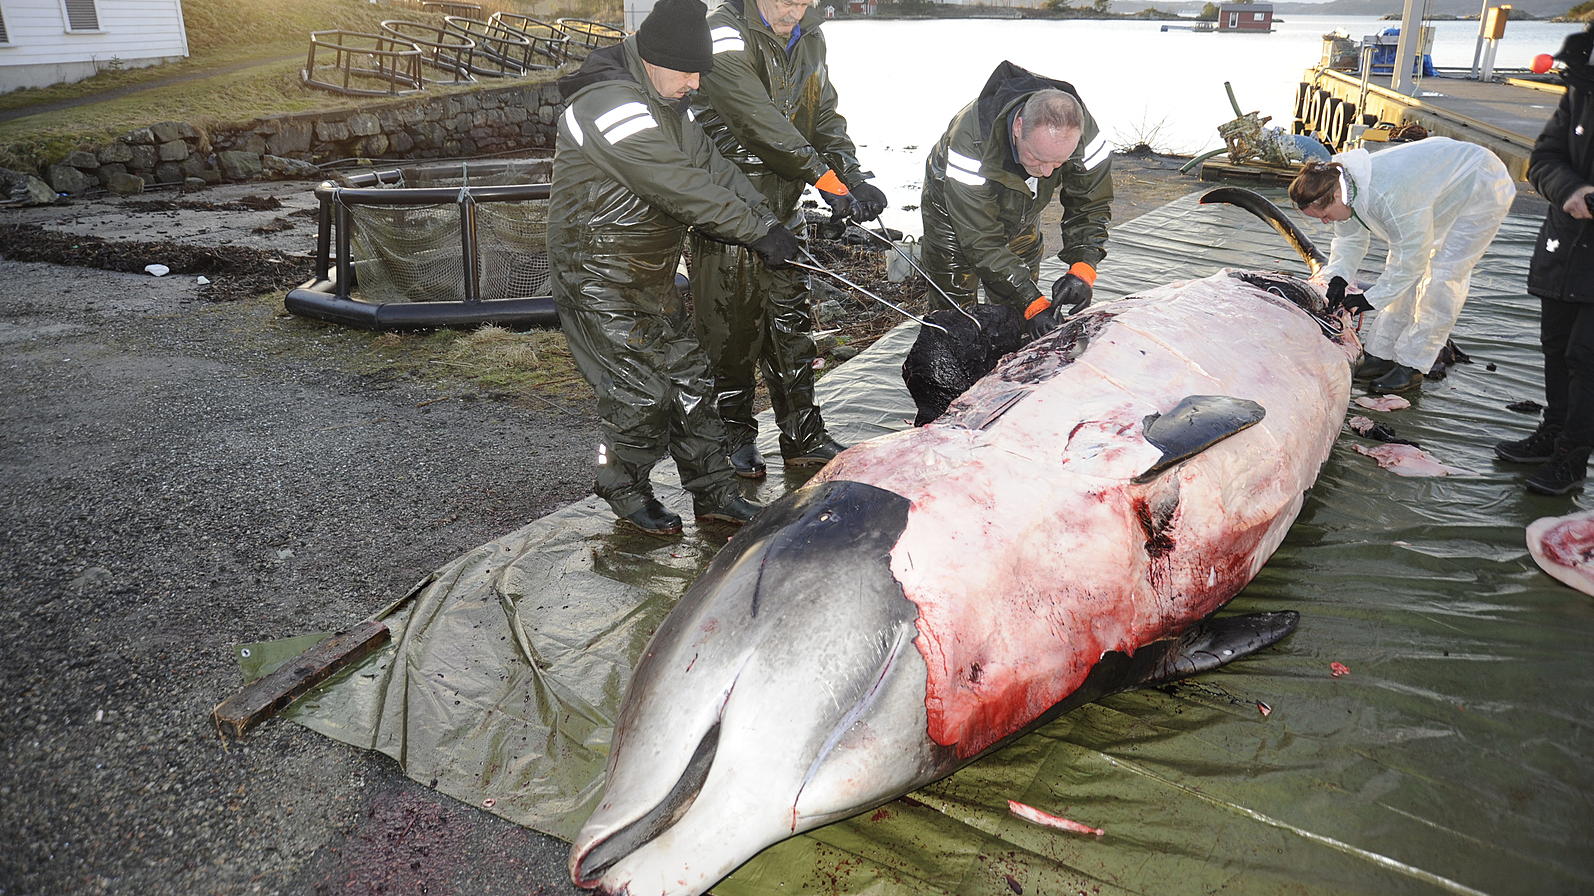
[(963, 169), (624, 120), (726, 39), (1097, 152), (572, 127), (629, 127), (618, 114)]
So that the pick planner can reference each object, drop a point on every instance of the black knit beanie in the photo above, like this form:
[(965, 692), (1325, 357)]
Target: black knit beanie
[(675, 36)]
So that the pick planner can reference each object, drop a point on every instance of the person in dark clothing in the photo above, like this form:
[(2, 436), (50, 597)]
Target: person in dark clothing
[(1002, 158), (769, 106), (1561, 277), (631, 173)]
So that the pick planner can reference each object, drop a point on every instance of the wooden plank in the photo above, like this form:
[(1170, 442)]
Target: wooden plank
[(262, 699), (1224, 171)]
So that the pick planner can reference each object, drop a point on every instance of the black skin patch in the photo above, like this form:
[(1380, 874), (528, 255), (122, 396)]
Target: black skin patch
[(941, 366)]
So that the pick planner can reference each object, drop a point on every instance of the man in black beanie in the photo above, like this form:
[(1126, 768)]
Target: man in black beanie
[(631, 173)]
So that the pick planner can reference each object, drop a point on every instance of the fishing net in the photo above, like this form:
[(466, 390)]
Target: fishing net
[(416, 252)]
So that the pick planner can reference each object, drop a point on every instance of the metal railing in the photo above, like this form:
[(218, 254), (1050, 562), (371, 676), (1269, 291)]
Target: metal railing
[(586, 36), (501, 51), (441, 49), (547, 39), (360, 57)]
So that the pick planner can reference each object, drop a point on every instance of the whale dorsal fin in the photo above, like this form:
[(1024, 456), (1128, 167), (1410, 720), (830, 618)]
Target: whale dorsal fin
[(1195, 424)]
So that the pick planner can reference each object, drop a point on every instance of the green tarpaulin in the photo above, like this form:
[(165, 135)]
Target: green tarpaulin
[(1451, 758)]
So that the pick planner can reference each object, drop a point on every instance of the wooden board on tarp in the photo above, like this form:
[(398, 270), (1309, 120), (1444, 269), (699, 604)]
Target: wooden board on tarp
[(258, 701), (1221, 171)]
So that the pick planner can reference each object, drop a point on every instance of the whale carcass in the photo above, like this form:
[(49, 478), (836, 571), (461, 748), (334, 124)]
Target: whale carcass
[(1059, 534)]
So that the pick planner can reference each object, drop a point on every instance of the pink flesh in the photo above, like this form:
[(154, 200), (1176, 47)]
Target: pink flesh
[(1032, 814), (1382, 402), (1025, 549), (1563, 546), (1407, 460)]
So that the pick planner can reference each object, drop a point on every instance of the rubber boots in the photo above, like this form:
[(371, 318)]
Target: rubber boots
[(818, 456), (1399, 378), (747, 462), (728, 507), (1371, 368), (654, 519)]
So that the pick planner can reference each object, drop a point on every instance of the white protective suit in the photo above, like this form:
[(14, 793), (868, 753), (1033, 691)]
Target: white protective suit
[(1438, 203)]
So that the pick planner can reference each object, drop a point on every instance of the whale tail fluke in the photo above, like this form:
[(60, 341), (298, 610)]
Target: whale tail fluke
[(1258, 205)]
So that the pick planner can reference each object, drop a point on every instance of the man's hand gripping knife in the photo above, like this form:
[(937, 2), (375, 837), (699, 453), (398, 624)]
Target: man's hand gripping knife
[(1070, 294)]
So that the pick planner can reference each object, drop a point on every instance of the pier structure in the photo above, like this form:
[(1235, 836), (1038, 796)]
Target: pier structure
[(1344, 109)]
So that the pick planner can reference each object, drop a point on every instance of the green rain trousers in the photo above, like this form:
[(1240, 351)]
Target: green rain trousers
[(629, 174), (750, 316), (771, 109), (655, 393)]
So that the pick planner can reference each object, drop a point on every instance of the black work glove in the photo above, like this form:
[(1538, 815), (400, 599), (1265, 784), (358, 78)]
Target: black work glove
[(1044, 322), (842, 205), (870, 202), (1070, 293), (1338, 298), (777, 247)]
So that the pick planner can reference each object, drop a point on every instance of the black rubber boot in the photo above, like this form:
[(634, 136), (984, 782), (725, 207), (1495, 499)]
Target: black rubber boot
[(1566, 470), (728, 508), (1371, 368), (653, 519), (1400, 378), (818, 456), (747, 462), (1535, 449)]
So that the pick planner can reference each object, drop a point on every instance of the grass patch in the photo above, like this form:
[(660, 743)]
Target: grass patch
[(245, 65), (532, 368)]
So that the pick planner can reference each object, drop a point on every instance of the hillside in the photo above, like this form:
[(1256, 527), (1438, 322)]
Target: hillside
[(244, 64)]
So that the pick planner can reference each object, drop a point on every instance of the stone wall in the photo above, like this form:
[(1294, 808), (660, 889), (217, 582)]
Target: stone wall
[(482, 122)]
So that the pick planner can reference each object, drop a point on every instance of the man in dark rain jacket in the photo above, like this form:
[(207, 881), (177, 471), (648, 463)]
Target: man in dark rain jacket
[(631, 172), (1002, 158), (1561, 276), (769, 106)]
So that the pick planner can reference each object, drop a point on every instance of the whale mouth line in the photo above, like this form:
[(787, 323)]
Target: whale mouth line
[(604, 854)]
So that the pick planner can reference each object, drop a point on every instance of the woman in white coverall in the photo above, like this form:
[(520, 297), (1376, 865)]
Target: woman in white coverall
[(1437, 203)]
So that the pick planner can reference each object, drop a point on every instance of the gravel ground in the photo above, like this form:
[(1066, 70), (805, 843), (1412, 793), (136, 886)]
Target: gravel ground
[(184, 475)]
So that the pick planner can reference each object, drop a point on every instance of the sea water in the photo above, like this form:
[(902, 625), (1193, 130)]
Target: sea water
[(900, 82)]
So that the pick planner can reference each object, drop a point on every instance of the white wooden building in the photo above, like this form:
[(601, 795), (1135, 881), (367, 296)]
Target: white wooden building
[(44, 42)]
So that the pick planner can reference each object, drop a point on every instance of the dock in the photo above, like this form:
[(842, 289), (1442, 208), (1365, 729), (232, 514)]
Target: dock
[(1506, 115)]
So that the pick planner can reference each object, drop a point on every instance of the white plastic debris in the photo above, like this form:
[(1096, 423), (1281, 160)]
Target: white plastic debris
[(202, 280), (158, 270)]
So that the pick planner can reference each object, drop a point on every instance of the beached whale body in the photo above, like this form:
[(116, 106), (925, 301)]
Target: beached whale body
[(1060, 533)]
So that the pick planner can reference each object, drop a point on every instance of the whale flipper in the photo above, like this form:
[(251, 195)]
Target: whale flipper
[(1195, 424), (1213, 642), (1210, 644)]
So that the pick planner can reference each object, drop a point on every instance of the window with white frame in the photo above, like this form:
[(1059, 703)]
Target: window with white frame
[(5, 35), (81, 15)]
